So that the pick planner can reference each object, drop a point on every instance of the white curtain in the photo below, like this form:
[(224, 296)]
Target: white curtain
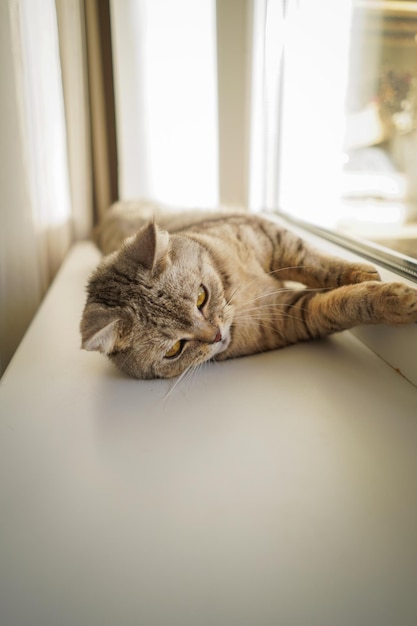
[(46, 194)]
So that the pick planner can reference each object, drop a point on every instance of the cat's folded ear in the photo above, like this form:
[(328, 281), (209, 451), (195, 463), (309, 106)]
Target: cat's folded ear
[(102, 329), (150, 247)]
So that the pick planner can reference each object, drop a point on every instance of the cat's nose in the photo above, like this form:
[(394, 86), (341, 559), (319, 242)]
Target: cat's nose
[(218, 337), (207, 332)]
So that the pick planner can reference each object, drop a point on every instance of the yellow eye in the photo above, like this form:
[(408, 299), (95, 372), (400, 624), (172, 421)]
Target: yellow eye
[(175, 350), (201, 297)]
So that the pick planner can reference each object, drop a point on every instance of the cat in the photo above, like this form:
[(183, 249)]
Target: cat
[(175, 290)]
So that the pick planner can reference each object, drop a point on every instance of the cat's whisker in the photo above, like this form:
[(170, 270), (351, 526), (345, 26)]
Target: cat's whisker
[(289, 267), (193, 374), (272, 308), (255, 314), (266, 323), (178, 382), (271, 273), (270, 316), (267, 305), (282, 290), (267, 310)]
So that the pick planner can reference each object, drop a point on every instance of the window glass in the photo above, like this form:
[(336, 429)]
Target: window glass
[(347, 105)]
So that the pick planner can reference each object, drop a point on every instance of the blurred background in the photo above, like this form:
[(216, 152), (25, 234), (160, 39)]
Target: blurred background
[(307, 108)]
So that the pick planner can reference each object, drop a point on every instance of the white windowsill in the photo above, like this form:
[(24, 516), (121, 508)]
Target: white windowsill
[(275, 489)]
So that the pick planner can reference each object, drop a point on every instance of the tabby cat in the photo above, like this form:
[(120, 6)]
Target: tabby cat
[(176, 290)]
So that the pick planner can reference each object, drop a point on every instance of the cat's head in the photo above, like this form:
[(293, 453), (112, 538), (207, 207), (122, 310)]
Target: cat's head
[(157, 306)]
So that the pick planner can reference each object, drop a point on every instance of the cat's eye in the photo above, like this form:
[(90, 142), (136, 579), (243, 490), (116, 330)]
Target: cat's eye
[(175, 349), (201, 297)]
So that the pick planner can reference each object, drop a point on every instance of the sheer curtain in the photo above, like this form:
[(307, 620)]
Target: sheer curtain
[(46, 198)]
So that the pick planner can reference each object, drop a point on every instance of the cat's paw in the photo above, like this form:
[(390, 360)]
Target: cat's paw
[(399, 304), (358, 273)]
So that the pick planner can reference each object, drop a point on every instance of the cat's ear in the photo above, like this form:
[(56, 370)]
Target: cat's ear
[(100, 329), (151, 247)]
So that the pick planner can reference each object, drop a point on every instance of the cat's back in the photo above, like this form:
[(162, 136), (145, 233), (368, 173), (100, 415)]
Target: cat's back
[(125, 219)]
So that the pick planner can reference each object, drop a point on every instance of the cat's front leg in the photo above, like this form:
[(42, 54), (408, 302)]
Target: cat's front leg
[(314, 315), (317, 269), (293, 258)]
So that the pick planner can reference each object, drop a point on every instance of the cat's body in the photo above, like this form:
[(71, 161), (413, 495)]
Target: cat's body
[(192, 287)]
